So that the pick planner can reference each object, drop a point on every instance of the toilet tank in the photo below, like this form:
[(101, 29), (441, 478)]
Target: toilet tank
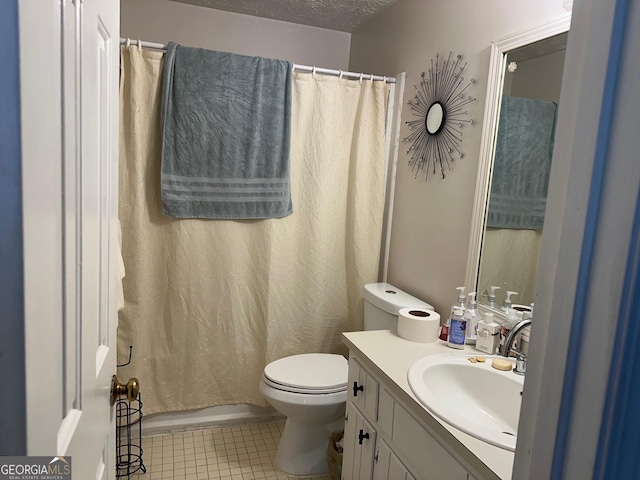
[(382, 302)]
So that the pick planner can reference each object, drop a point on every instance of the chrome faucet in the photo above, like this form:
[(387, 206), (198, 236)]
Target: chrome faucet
[(507, 348)]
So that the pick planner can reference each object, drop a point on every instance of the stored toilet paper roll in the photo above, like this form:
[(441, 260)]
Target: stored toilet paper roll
[(418, 325)]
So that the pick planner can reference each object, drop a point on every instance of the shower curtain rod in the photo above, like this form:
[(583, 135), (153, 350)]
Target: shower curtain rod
[(301, 68)]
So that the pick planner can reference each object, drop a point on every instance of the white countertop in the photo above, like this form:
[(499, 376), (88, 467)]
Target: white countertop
[(391, 357)]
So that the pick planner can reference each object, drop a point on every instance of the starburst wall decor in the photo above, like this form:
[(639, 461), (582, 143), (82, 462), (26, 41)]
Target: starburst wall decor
[(441, 107)]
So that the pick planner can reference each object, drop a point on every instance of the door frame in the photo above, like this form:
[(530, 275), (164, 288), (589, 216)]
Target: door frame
[(585, 248), (41, 108)]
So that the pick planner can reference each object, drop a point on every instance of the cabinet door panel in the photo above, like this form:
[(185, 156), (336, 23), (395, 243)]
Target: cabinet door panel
[(422, 450), (385, 411), (382, 458), (357, 379), (396, 469), (367, 450), (370, 396), (350, 444)]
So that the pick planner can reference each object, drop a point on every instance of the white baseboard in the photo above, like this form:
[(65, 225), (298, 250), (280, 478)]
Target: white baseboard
[(213, 416)]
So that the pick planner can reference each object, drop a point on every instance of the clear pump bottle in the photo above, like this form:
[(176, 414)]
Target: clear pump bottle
[(491, 297), (473, 317)]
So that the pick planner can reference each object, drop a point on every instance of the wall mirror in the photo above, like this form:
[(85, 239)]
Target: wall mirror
[(525, 75)]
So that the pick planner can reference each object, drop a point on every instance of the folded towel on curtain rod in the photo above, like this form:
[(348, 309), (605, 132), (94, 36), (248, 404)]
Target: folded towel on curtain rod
[(226, 124), (522, 163)]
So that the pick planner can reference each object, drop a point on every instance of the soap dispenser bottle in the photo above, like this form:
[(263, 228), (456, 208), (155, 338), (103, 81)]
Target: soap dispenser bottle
[(507, 301), (492, 296), (444, 330), (473, 317), (461, 299), (458, 326), (511, 319)]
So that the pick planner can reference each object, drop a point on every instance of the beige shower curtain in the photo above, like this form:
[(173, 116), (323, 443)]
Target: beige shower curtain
[(210, 302)]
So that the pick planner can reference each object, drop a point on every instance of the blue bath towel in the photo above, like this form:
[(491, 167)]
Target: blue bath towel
[(522, 164), (226, 124)]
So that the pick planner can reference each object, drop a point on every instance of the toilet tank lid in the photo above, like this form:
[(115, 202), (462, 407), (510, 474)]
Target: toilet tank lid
[(391, 299)]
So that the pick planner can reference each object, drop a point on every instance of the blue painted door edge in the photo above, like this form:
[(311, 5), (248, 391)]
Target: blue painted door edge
[(617, 456), (12, 361), (609, 97)]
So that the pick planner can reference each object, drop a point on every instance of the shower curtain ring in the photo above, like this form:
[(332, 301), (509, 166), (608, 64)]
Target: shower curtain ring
[(128, 42), (361, 77), (340, 76), (139, 45)]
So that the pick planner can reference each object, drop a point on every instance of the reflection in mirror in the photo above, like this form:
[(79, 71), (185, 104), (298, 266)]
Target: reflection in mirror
[(520, 172), (435, 118)]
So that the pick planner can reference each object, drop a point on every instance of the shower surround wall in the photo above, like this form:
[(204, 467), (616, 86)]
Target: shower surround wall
[(431, 221)]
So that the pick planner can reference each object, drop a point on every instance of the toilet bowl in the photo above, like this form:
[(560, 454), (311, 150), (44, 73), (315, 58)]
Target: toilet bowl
[(311, 391)]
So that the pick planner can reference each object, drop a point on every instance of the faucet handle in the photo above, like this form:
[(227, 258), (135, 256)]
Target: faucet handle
[(521, 364)]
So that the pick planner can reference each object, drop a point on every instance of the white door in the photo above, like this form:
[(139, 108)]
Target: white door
[(69, 102)]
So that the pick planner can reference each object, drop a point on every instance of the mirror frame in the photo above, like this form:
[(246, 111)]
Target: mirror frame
[(497, 65)]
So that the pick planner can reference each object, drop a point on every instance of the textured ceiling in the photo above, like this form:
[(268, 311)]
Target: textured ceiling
[(343, 15)]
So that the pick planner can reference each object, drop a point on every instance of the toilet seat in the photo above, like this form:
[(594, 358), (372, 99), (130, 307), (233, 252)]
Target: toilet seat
[(287, 388), (309, 373)]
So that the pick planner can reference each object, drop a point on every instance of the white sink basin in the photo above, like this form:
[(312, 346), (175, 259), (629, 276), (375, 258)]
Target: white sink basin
[(473, 397)]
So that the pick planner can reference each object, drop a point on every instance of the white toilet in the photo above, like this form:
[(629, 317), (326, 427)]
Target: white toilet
[(311, 389)]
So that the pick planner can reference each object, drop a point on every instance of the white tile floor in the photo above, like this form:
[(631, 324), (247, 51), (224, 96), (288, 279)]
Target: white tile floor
[(242, 452)]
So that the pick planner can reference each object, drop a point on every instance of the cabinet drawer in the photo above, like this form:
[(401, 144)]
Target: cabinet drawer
[(421, 450)]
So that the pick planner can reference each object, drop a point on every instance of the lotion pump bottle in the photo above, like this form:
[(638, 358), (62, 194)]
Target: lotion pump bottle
[(473, 317)]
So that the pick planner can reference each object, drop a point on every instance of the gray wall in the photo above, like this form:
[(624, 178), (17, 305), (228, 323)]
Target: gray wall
[(12, 395), (539, 78), (161, 21), (431, 221)]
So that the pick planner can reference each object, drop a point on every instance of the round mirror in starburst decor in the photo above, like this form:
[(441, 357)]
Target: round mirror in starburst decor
[(441, 107)]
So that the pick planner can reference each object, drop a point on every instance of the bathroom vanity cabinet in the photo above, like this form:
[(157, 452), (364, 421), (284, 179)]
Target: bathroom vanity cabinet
[(389, 435)]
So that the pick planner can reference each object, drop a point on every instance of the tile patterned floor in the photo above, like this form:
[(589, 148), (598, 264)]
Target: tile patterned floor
[(242, 452)]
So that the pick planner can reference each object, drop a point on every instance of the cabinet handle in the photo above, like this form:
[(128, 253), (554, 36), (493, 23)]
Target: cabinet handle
[(376, 456), (362, 436), (346, 417), (357, 388)]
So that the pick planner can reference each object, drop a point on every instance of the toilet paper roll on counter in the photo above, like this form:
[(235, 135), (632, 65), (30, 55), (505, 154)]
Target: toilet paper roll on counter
[(418, 325)]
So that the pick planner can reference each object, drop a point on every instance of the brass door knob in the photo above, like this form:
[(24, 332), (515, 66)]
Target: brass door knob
[(130, 389)]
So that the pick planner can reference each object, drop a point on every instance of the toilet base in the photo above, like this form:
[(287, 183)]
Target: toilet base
[(303, 447)]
